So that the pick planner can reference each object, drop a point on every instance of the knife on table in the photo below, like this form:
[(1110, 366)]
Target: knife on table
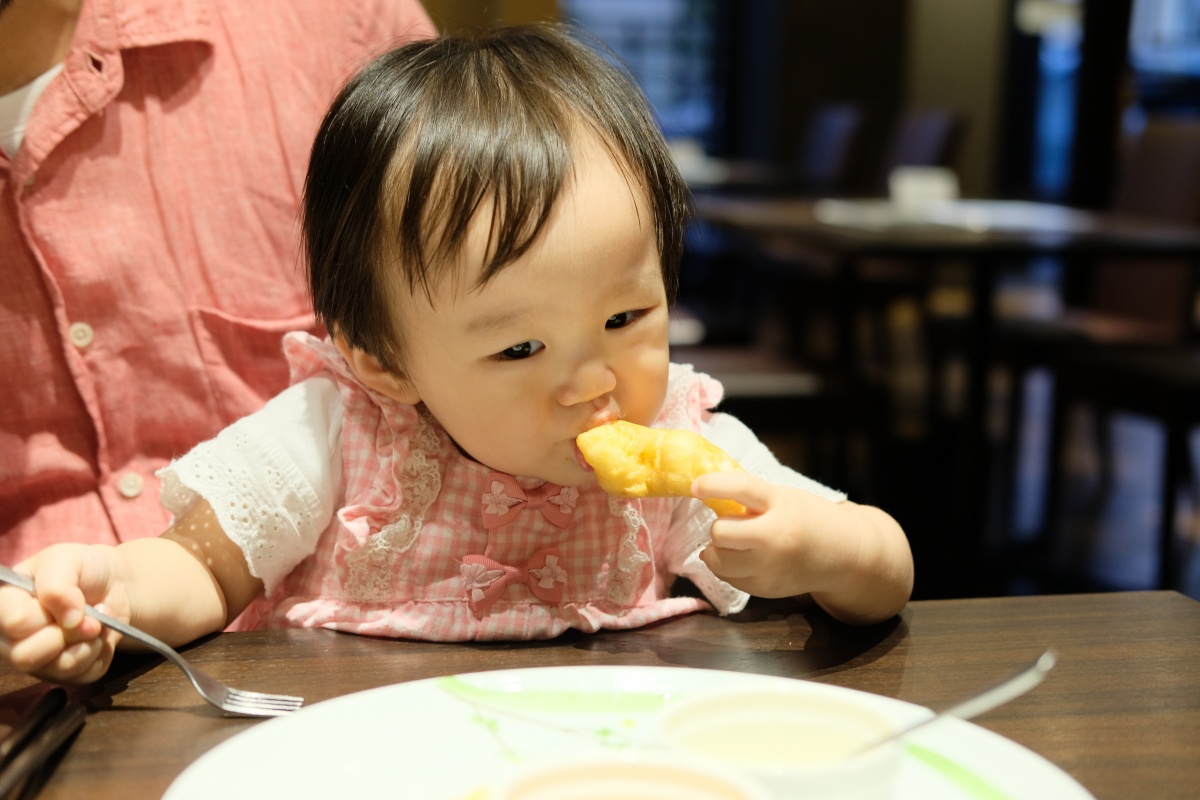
[(29, 752)]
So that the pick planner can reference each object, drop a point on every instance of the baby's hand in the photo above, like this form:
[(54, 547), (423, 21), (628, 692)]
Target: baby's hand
[(47, 635), (787, 544), (853, 560)]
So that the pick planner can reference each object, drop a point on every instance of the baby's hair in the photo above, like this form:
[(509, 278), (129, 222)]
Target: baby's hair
[(429, 133)]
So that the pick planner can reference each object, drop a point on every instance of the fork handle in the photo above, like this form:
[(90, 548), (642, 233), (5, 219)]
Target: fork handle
[(11, 576)]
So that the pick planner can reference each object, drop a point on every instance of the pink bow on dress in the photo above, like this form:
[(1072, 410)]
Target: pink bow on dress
[(506, 499), (486, 579)]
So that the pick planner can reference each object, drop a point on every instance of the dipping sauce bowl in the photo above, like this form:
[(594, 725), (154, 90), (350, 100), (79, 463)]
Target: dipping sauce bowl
[(798, 742)]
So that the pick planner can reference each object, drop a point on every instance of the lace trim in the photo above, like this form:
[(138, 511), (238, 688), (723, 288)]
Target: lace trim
[(725, 598), (369, 567), (623, 587), (264, 527)]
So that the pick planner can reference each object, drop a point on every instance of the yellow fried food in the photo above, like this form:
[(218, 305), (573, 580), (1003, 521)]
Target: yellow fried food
[(635, 461)]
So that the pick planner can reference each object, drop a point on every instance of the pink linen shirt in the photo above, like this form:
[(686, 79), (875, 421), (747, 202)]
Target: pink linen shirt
[(149, 245)]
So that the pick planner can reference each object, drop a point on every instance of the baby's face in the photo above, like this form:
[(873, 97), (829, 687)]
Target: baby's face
[(571, 335)]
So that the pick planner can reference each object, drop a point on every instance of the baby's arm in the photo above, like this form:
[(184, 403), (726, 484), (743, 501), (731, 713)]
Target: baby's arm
[(187, 583), (853, 560)]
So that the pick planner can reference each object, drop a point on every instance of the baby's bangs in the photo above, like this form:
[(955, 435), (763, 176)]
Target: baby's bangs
[(489, 138)]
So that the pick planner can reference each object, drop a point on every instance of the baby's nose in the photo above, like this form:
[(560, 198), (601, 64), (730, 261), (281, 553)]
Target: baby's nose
[(590, 381)]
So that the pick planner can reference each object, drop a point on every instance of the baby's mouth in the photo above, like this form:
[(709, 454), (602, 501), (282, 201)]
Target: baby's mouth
[(609, 413), (581, 460)]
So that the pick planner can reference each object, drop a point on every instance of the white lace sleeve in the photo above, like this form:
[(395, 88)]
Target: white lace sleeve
[(272, 477)]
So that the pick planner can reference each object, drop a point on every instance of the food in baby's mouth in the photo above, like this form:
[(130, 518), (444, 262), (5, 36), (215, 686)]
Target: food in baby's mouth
[(631, 460)]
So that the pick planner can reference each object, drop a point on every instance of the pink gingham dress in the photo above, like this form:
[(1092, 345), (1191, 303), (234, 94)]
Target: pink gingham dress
[(432, 545)]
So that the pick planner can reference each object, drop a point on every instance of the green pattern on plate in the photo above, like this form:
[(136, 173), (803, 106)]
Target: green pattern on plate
[(975, 787)]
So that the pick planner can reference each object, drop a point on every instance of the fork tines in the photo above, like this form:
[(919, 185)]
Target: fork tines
[(261, 705)]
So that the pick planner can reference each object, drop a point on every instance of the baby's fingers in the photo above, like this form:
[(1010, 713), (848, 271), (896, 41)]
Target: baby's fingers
[(53, 653), (730, 565), (751, 571), (749, 490), (62, 574), (23, 616), (742, 569)]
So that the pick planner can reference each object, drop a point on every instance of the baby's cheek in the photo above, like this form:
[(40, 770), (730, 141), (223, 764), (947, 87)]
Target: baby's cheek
[(647, 388)]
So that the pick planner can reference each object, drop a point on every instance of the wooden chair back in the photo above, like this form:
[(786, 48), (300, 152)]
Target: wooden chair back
[(827, 148), (1158, 178)]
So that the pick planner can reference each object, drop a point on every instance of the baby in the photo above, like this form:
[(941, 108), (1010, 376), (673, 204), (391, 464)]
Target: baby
[(493, 226)]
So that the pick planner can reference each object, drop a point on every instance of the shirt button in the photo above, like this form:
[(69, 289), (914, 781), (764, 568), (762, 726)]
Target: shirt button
[(130, 485), (81, 334), (30, 180)]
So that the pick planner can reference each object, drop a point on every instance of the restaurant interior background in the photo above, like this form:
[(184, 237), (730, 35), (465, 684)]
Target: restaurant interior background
[(1022, 99)]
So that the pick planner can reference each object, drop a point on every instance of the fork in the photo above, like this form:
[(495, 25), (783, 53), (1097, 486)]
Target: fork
[(235, 701)]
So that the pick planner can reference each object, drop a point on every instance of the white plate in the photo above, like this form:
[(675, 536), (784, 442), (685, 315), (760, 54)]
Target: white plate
[(449, 738)]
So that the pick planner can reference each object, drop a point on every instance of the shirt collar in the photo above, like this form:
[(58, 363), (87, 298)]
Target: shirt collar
[(106, 27), (93, 71), (122, 24)]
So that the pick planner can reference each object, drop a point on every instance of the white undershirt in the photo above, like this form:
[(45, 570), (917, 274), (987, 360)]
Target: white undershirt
[(17, 105)]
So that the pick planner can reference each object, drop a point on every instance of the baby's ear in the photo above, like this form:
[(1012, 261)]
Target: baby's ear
[(372, 374)]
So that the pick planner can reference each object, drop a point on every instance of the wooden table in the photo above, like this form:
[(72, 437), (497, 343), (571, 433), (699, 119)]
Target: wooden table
[(988, 235), (1120, 712)]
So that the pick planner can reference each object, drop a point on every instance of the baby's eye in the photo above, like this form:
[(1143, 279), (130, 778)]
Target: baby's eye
[(625, 318), (518, 351)]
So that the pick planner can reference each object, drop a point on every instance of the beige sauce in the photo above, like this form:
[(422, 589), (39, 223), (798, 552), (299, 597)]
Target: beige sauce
[(774, 740)]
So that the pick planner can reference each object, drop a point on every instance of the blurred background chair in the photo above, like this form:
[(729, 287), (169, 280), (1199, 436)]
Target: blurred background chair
[(827, 149), (1123, 342), (921, 137), (1163, 385)]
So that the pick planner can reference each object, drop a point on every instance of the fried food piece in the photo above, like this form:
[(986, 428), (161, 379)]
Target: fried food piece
[(634, 461)]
